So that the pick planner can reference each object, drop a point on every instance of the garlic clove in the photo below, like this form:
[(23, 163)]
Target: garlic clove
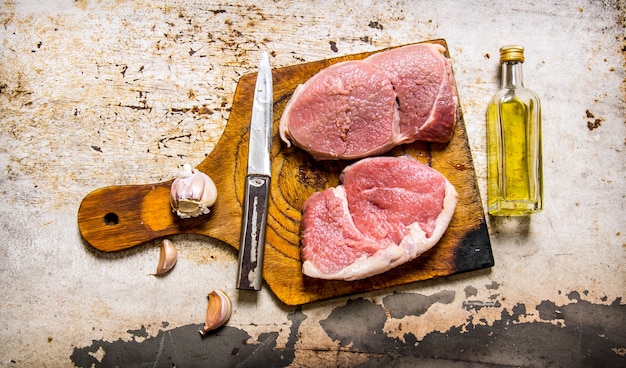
[(168, 258), (218, 311), (192, 193)]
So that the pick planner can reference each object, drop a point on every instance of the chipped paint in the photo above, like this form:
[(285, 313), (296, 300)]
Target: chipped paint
[(585, 334), (183, 346)]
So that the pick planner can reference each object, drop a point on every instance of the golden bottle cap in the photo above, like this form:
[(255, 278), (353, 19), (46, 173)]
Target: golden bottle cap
[(511, 53)]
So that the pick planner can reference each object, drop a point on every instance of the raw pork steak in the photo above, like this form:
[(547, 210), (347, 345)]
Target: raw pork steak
[(346, 111), (357, 109), (388, 211)]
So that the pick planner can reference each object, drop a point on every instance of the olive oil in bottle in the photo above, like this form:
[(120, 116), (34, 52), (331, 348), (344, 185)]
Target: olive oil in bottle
[(514, 176)]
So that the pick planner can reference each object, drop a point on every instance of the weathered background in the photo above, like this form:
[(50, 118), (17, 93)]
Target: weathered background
[(97, 93)]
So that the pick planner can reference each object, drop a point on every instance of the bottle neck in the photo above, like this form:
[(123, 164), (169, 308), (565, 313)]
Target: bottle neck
[(512, 74)]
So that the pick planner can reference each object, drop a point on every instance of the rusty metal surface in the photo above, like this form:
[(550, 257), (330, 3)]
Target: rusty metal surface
[(97, 93)]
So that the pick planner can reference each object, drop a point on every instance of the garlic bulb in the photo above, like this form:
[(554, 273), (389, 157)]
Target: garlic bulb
[(192, 193), (218, 312), (168, 258)]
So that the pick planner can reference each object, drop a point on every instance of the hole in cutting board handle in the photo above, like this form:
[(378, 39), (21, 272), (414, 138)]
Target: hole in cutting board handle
[(111, 219)]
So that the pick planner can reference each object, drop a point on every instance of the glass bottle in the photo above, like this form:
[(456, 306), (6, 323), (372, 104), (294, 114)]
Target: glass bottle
[(514, 176)]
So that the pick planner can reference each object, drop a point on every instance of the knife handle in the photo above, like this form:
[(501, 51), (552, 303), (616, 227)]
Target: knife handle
[(254, 223)]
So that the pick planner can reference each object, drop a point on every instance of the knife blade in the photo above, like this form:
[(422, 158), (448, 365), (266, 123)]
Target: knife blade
[(257, 183)]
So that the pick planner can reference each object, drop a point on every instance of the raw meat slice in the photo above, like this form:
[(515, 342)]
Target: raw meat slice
[(348, 110), (388, 211), (357, 109), (427, 98)]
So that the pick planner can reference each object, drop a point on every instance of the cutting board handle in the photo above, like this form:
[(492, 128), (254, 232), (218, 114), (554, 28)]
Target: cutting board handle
[(119, 217)]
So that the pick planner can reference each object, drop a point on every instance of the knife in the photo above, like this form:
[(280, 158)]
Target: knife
[(256, 196)]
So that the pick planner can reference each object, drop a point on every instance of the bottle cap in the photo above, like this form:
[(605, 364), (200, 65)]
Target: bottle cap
[(511, 53)]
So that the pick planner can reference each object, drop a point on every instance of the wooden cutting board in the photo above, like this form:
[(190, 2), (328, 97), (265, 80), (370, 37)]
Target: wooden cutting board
[(119, 217)]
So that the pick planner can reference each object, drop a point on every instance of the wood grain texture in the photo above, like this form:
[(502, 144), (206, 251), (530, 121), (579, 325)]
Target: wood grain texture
[(115, 218)]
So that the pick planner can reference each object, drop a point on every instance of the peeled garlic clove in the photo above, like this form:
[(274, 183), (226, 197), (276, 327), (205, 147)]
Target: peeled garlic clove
[(218, 312), (168, 258), (192, 193)]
